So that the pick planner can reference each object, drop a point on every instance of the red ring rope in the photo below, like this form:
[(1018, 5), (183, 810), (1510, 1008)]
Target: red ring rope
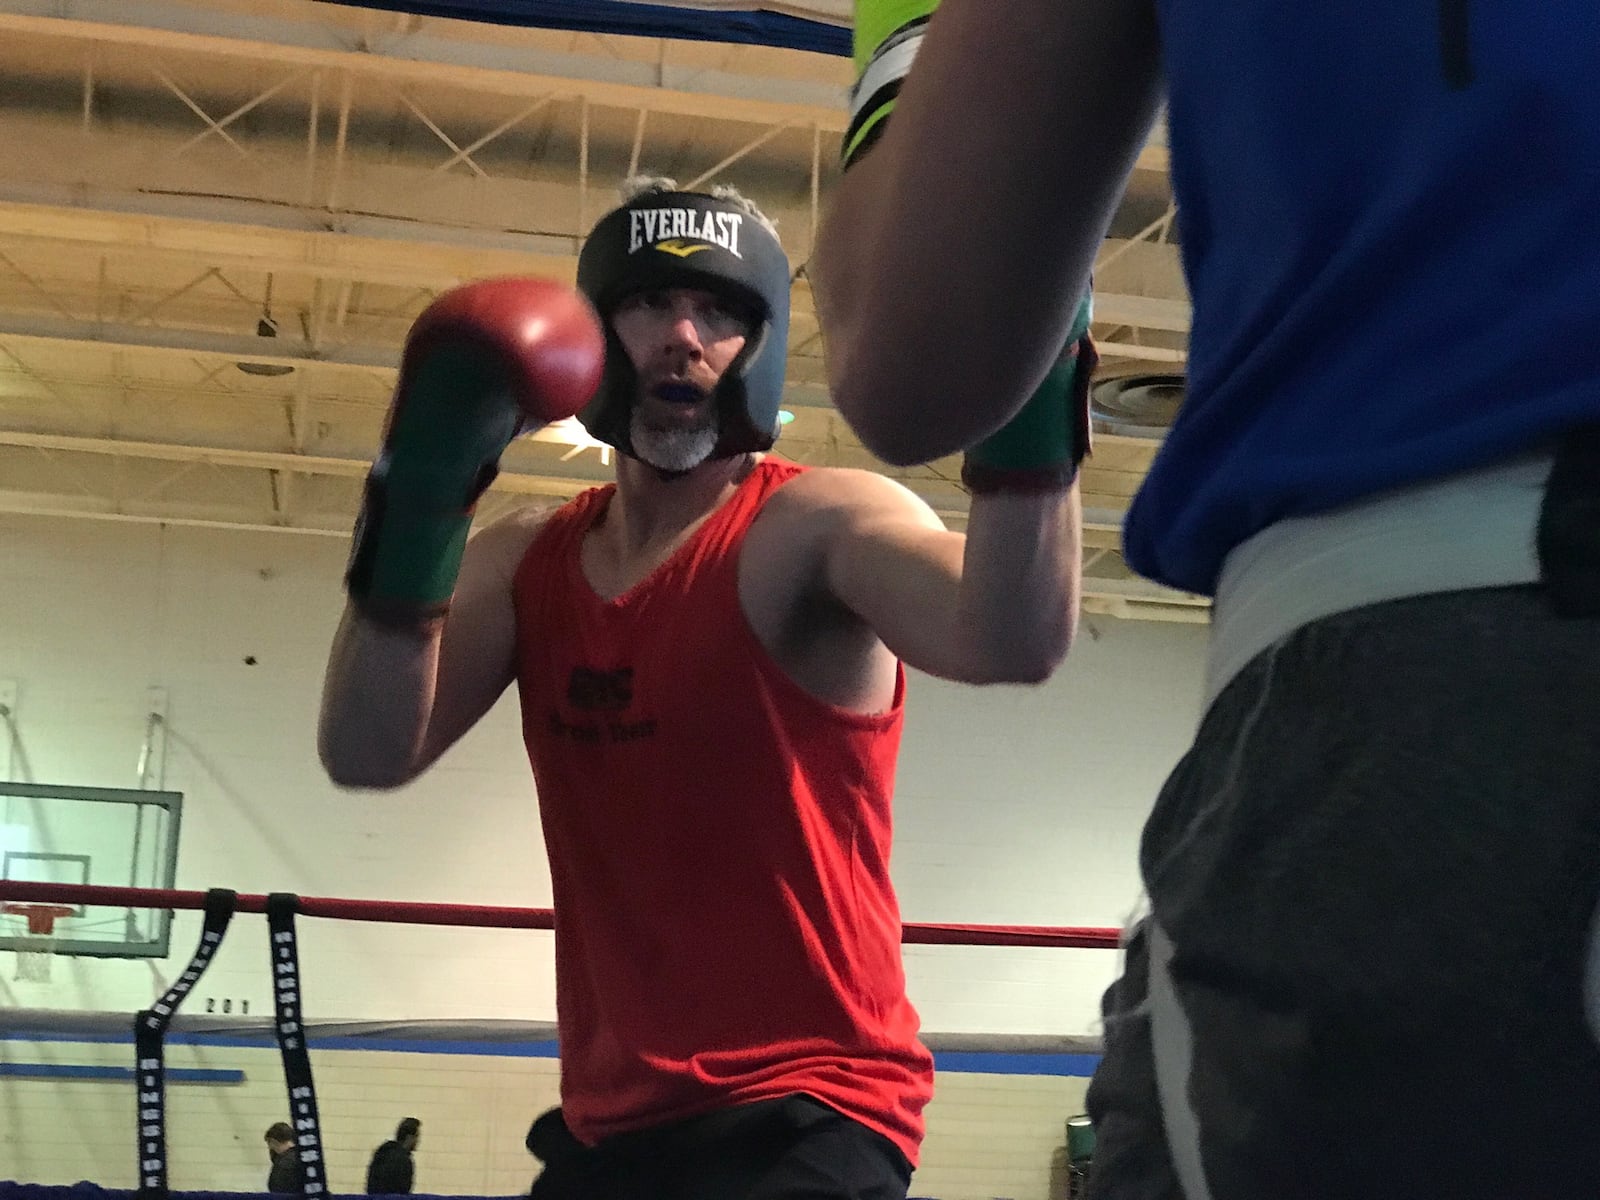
[(492, 917)]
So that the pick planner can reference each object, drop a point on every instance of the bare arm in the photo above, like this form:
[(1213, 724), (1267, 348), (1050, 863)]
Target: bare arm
[(955, 252), (996, 605), (394, 700)]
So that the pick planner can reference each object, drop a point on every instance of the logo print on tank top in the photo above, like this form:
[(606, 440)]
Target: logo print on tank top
[(591, 692), (605, 691)]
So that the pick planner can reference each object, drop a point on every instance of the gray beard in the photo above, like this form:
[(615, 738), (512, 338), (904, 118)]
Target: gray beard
[(672, 449)]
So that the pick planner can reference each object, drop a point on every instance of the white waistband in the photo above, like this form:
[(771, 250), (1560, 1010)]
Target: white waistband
[(1471, 530)]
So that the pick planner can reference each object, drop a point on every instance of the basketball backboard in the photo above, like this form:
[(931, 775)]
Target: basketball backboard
[(108, 836)]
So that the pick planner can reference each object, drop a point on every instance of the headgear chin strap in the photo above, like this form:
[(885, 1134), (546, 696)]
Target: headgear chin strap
[(665, 240)]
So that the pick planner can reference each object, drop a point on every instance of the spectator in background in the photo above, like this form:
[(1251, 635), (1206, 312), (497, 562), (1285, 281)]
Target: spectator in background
[(285, 1174), (391, 1171)]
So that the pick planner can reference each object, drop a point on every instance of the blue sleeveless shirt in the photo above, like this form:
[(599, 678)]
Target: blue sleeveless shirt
[(1390, 221)]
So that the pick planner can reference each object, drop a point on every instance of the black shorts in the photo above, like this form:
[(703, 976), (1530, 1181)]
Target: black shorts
[(794, 1148), (1373, 885)]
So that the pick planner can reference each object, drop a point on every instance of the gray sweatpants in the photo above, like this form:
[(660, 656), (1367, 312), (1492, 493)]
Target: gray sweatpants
[(1373, 885)]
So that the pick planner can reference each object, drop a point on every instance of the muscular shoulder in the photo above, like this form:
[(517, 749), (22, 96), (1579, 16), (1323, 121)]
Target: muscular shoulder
[(824, 511), (499, 548), (843, 495)]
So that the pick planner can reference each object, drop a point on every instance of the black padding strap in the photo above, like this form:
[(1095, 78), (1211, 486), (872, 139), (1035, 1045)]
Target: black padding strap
[(290, 1028), (149, 1036)]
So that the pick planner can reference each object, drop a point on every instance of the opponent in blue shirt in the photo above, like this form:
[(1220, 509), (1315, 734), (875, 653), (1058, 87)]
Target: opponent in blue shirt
[(1374, 880)]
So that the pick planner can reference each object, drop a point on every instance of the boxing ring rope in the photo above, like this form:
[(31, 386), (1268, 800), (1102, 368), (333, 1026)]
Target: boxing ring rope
[(220, 905), (495, 917)]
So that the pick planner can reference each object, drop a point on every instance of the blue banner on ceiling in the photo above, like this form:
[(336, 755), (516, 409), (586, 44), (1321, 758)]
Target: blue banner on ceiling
[(750, 26)]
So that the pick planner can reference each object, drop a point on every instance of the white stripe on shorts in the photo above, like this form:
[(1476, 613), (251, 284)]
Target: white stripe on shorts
[(1172, 1043)]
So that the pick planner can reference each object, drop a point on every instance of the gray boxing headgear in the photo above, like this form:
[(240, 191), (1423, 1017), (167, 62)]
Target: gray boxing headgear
[(664, 240)]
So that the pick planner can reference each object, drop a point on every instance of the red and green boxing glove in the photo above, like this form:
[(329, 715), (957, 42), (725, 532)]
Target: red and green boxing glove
[(483, 363), (1040, 449)]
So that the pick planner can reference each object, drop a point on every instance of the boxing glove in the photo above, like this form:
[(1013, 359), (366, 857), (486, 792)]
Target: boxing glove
[(483, 363), (888, 34), (1040, 448)]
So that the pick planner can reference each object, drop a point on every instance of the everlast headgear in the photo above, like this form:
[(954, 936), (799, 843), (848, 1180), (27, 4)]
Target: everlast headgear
[(664, 240)]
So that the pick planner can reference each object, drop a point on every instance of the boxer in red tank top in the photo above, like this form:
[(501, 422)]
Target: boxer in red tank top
[(710, 657)]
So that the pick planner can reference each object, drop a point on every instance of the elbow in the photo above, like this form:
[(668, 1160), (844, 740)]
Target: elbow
[(897, 419), (911, 401), (890, 433), (348, 780), (1031, 660), (1034, 671), (1031, 669), (1012, 671), (362, 751), (1051, 646), (355, 771), (881, 374), (359, 777)]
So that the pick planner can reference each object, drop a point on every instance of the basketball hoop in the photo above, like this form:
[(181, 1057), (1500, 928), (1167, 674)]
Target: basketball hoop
[(34, 957)]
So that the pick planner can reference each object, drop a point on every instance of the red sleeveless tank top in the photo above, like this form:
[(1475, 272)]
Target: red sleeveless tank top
[(726, 930)]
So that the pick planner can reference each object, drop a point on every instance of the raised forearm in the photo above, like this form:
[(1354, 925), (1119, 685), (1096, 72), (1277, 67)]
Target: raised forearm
[(956, 251), (1017, 606), (376, 701), (481, 362), (996, 605)]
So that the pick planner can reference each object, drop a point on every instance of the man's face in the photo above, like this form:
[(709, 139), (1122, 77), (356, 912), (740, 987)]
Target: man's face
[(680, 342), (276, 1148)]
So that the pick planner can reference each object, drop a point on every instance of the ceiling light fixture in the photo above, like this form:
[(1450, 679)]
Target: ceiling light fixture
[(266, 327)]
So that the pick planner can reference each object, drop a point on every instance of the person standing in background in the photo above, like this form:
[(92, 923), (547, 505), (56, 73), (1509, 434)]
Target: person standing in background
[(284, 1177), (392, 1171)]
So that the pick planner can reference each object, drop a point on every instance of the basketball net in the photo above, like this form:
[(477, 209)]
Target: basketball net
[(38, 952)]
